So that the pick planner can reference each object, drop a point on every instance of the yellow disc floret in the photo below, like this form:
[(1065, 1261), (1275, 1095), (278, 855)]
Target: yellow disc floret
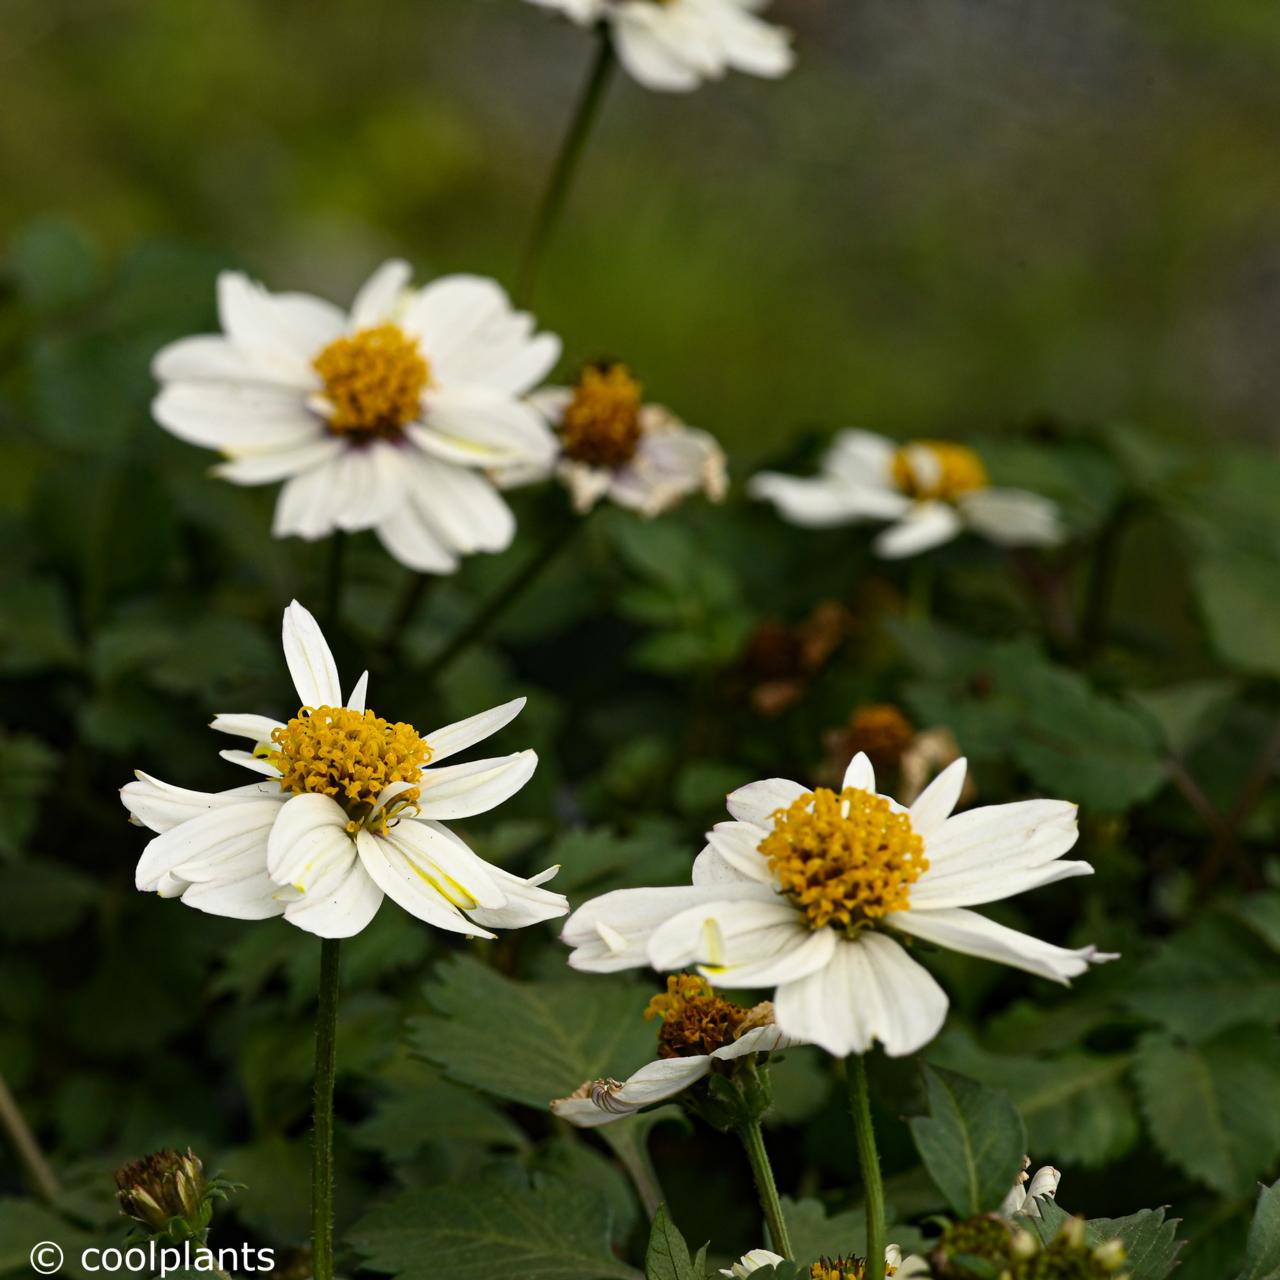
[(938, 469), (844, 858), (694, 1019), (844, 1268), (601, 426), (349, 755), (373, 382)]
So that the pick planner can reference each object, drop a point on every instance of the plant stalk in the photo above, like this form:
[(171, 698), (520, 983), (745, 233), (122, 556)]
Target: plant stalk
[(322, 1137), (873, 1184), (43, 1179), (752, 1137)]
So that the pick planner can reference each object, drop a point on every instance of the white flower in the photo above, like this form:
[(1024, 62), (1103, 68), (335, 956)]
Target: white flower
[(1024, 1193), (929, 490), (693, 1019), (808, 892), (613, 445), (674, 45), (895, 1264), (385, 417), (349, 808)]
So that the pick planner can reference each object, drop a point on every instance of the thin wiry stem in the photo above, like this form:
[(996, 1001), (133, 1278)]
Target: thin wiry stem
[(43, 1179), (869, 1159), (753, 1143), (322, 1137)]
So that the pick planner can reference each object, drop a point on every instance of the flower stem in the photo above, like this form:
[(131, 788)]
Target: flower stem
[(322, 1150), (502, 599), (873, 1186), (566, 164), (43, 1179), (753, 1143)]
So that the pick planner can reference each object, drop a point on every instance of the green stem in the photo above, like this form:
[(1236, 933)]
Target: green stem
[(566, 164), (753, 1144), (502, 599), (42, 1177), (322, 1152), (634, 1158), (873, 1185)]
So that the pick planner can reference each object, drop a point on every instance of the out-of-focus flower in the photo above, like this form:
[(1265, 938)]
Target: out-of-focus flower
[(849, 1267), (782, 657), (879, 730), (929, 491), (350, 808), (1028, 1189), (699, 1031), (613, 445), (674, 45), (167, 1195), (805, 891), (385, 417), (1013, 1253)]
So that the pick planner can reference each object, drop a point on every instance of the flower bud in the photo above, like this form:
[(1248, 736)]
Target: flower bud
[(165, 1193)]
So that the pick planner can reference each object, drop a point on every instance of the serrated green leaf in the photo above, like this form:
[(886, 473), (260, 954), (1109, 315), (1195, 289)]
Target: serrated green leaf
[(1150, 1239), (530, 1041), (1262, 1254), (972, 1141), (547, 1230)]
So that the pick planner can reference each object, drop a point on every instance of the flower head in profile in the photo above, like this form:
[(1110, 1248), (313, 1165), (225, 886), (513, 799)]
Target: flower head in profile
[(385, 417), (929, 491), (611, 444), (815, 893), (699, 1032), (1029, 1189), (167, 1196), (348, 808), (672, 46), (849, 1267)]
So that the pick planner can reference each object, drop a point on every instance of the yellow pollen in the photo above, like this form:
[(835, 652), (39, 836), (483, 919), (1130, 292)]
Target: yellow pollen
[(849, 1268), (938, 469), (601, 426), (374, 380), (844, 859), (351, 756), (694, 1019)]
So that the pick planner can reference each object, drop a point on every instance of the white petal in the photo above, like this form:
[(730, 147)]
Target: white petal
[(310, 662), (926, 525), (657, 1081), (309, 502), (527, 903), (975, 935), (649, 59), (475, 427), (250, 467), (408, 537), (280, 333), (457, 737), (445, 861), (757, 802), (309, 837), (367, 485), (255, 728), (871, 990), (378, 296), (822, 502), (226, 832), (1012, 517), (862, 458), (461, 507), (251, 898), (248, 760), (236, 416), (359, 694), (736, 845), (338, 910), (463, 790), (161, 806), (993, 883), (860, 774), (765, 1039), (212, 358), (935, 803)]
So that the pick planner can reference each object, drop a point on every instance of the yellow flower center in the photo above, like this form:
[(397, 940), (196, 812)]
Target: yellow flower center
[(844, 859), (850, 1268), (938, 469), (694, 1019), (351, 756), (373, 381), (601, 426)]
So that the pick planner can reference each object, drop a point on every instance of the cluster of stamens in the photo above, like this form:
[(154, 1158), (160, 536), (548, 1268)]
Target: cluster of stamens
[(351, 756), (844, 1267), (694, 1019), (844, 859), (373, 382), (601, 426), (951, 470)]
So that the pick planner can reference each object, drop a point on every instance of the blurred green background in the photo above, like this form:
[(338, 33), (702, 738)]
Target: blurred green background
[(952, 216)]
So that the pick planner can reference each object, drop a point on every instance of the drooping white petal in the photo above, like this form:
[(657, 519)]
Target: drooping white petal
[(250, 898), (341, 909), (378, 296), (255, 728), (926, 525), (974, 935), (935, 803), (757, 802), (411, 541), (860, 774), (461, 507), (224, 832), (1012, 517), (445, 861), (466, 733), (310, 661), (162, 806), (766, 1039), (367, 485), (463, 790), (649, 58), (308, 503), (527, 902), (309, 837), (870, 990), (822, 502)]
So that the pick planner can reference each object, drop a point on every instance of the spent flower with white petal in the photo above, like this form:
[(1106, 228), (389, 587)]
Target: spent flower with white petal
[(814, 893), (928, 491), (848, 1267), (611, 444), (700, 1032), (348, 808), (673, 46), (1029, 1189), (388, 416)]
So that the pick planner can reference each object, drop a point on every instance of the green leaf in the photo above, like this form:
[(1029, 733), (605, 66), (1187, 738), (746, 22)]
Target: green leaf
[(531, 1041), (1237, 592), (1185, 713), (1262, 1255), (667, 1257), (43, 899), (1150, 1240), (972, 1141), (547, 1230), (1214, 1108), (25, 1223)]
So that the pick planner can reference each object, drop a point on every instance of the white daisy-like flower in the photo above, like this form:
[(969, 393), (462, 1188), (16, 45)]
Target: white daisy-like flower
[(929, 491), (699, 1030), (349, 808), (384, 417), (1027, 1190), (613, 445), (846, 1268), (809, 892), (674, 45)]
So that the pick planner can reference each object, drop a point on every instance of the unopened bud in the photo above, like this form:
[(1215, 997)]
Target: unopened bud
[(165, 1192)]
